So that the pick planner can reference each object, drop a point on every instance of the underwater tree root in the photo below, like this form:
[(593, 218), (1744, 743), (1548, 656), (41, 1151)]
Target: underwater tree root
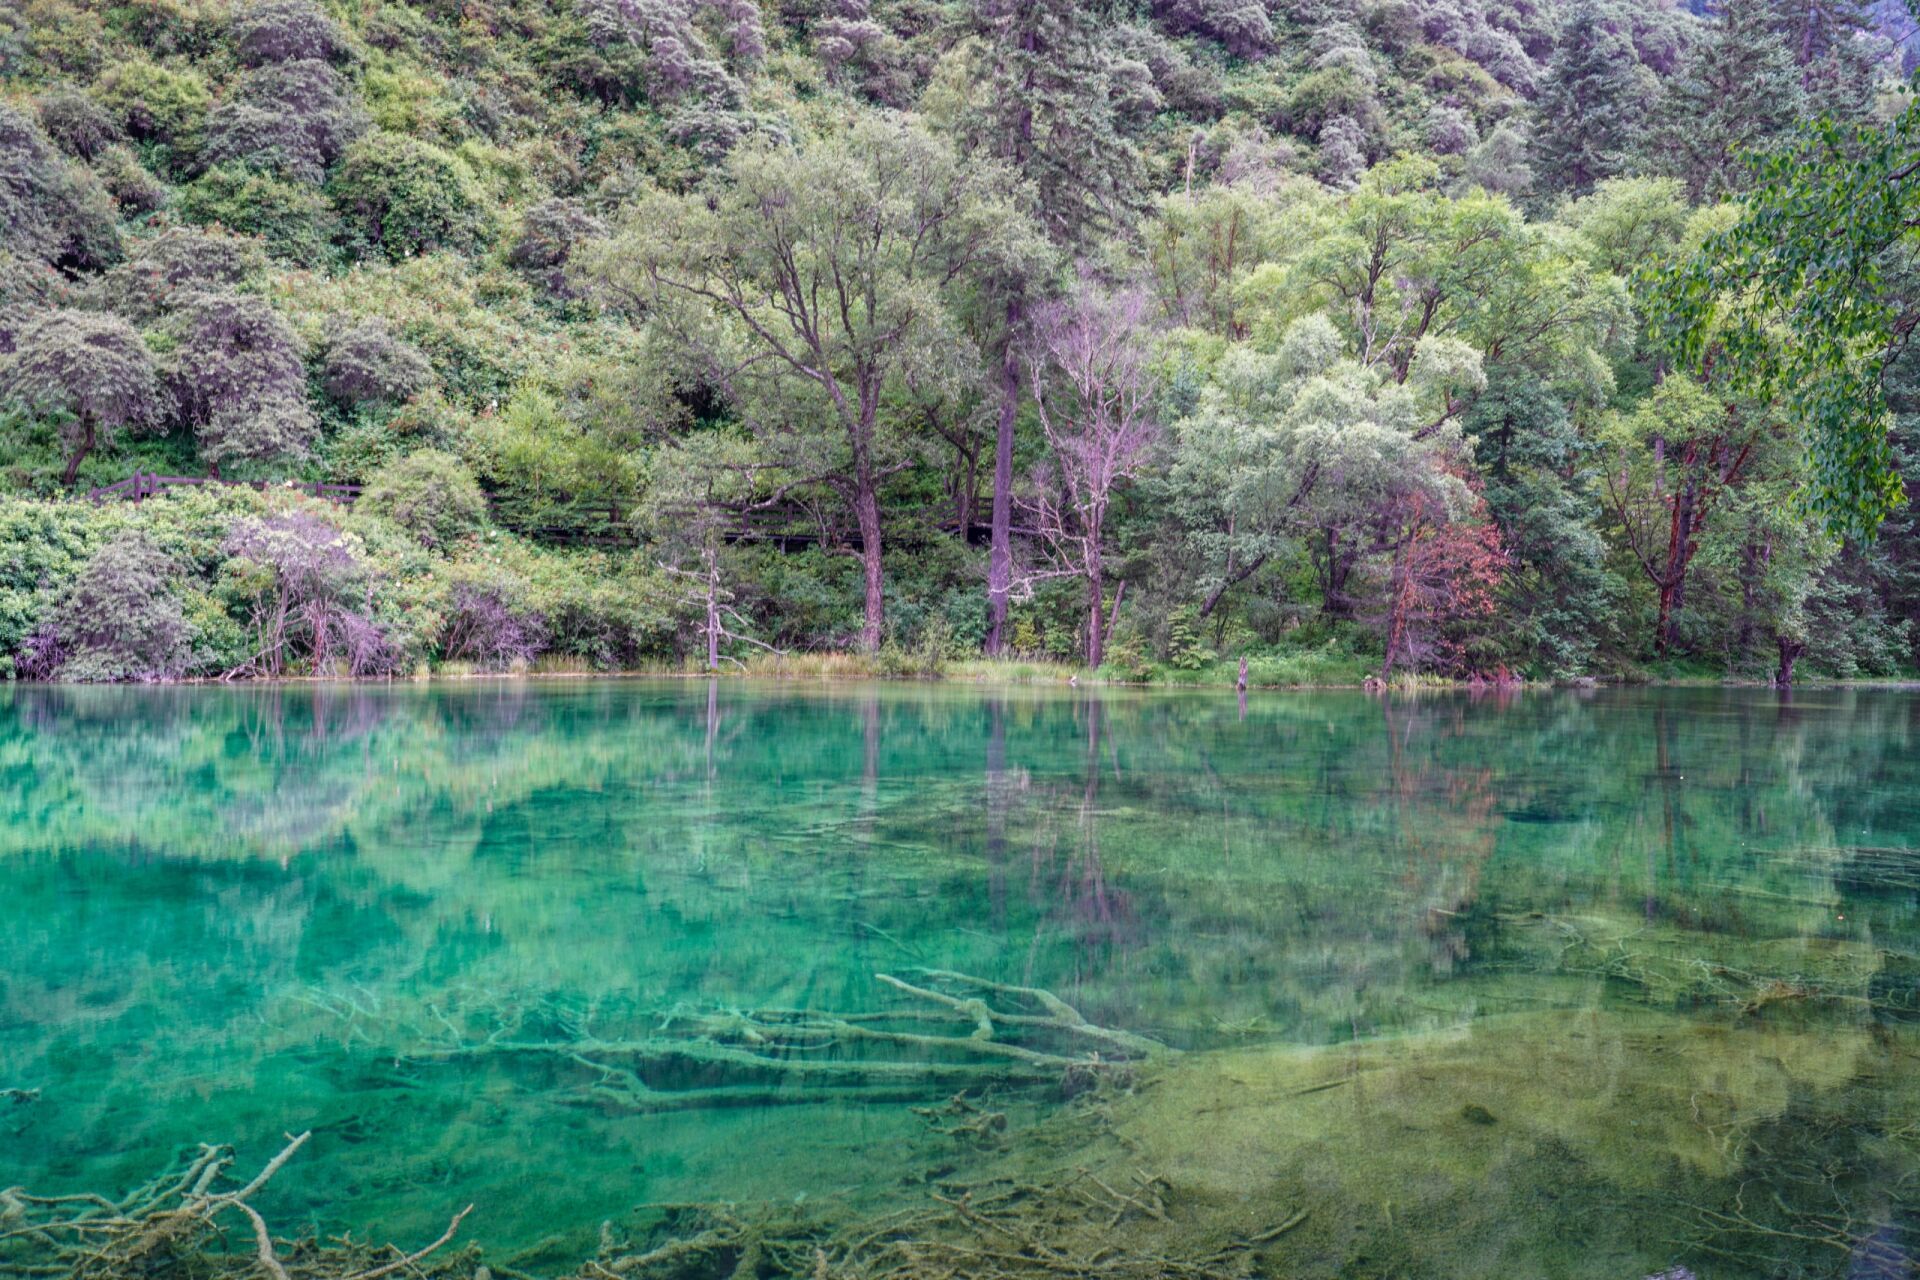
[(173, 1226)]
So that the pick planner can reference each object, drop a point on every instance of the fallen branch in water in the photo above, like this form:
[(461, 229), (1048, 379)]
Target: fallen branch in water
[(171, 1226), (725, 1057)]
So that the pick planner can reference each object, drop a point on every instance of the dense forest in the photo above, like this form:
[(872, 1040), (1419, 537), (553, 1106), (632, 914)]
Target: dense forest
[(1485, 339)]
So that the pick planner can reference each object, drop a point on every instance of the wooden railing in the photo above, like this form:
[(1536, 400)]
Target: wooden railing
[(142, 485)]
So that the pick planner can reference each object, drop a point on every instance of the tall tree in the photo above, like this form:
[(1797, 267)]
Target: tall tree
[(1055, 103), (1594, 102), (1091, 385), (1670, 465), (1739, 93), (1794, 298), (807, 286), (1843, 60)]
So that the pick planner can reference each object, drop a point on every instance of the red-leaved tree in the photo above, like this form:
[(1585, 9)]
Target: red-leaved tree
[(1444, 579)]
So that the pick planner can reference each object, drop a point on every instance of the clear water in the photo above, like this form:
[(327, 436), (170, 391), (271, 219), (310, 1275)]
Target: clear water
[(1556, 984)]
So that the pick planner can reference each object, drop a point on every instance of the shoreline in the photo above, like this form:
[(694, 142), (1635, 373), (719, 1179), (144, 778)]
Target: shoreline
[(981, 672)]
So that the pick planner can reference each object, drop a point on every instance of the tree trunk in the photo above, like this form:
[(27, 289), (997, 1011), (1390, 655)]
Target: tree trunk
[(866, 508), (713, 611), (1673, 583), (1334, 602), (80, 454), (1790, 649), (1000, 556), (1096, 611)]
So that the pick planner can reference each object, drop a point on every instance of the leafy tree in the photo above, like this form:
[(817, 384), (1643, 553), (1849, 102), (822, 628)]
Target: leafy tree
[(156, 104), (92, 370), (1593, 103), (1842, 56), (292, 219), (1557, 596), (1740, 92), (549, 234), (27, 289), (295, 119), (269, 31), (806, 327), (238, 378), (1052, 100), (1671, 464), (77, 124), (50, 211), (162, 270), (1793, 304), (134, 190)]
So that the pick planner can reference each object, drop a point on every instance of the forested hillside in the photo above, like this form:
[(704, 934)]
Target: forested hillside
[(1481, 338)]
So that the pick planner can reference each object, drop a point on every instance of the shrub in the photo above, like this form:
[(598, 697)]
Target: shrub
[(155, 104), (291, 118), (26, 289), (50, 210), (368, 365), (77, 124), (285, 31), (405, 197), (431, 495), (292, 219), (1242, 26), (548, 234), (180, 260), (134, 190), (489, 622), (40, 543), (117, 619), (296, 576), (273, 426)]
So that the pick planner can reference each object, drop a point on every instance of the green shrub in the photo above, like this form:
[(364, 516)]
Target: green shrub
[(431, 495), (118, 619), (403, 197), (292, 218), (77, 124), (368, 365), (155, 103)]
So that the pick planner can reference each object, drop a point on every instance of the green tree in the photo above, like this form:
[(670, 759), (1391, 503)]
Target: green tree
[(808, 285), (1051, 97), (1740, 92), (1669, 467), (1792, 303), (92, 370), (1593, 104)]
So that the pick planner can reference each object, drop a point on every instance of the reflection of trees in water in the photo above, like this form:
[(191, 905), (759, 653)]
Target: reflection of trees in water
[(1070, 873), (1446, 815)]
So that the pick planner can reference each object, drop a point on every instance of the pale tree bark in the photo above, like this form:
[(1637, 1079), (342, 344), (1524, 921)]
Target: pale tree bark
[(1093, 393)]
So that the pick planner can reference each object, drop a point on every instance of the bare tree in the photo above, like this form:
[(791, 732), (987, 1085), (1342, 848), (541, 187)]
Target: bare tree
[(1087, 356)]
